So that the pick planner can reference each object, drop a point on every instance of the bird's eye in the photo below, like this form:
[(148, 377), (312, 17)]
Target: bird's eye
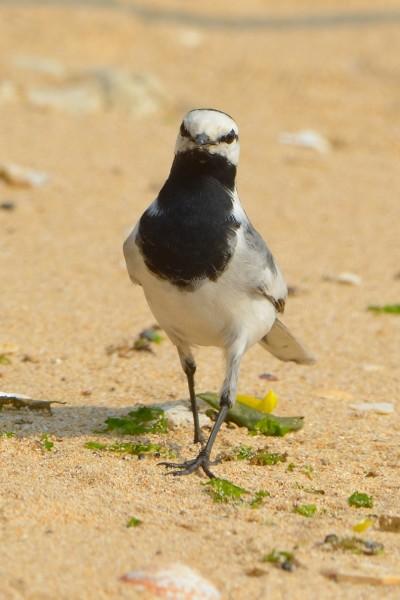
[(183, 131), (229, 137)]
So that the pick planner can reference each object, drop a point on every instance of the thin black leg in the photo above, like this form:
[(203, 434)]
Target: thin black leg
[(224, 407), (190, 371), (228, 396), (189, 367), (203, 459)]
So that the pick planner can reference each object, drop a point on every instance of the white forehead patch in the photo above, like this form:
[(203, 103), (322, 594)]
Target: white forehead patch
[(215, 125), (211, 122)]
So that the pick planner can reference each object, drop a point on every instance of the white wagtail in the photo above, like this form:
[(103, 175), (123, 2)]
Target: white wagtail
[(208, 276)]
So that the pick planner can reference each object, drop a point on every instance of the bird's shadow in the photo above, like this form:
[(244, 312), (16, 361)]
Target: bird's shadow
[(66, 421)]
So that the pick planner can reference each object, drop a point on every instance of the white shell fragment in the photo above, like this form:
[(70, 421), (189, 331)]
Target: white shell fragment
[(349, 279), (381, 408), (179, 415), (41, 65), (175, 582), (371, 368), (52, 86), (12, 395), (99, 89), (306, 138), (70, 98), (22, 176), (135, 93), (191, 38), (8, 92), (346, 278)]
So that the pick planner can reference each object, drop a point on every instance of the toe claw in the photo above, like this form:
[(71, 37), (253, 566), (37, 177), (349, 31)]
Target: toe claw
[(173, 465), (207, 471), (186, 468)]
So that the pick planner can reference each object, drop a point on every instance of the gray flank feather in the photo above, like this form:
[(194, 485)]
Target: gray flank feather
[(256, 243)]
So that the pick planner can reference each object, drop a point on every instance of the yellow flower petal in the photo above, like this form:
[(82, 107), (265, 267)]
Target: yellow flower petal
[(269, 402), (265, 405), (250, 401), (363, 525)]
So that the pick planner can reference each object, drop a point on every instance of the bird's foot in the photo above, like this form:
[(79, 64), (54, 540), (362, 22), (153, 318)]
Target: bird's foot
[(202, 461)]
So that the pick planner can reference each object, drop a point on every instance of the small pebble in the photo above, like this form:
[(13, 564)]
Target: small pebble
[(268, 377), (370, 368), (255, 572), (18, 176), (288, 565), (293, 290), (8, 205), (191, 38), (306, 138), (344, 278), (389, 523), (381, 408)]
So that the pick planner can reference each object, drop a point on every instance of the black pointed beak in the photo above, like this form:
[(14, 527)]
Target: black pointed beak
[(202, 139)]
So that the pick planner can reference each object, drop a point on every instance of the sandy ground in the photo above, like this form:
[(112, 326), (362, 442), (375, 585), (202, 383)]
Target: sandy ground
[(66, 297)]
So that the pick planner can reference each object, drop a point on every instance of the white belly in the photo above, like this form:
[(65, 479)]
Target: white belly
[(214, 314)]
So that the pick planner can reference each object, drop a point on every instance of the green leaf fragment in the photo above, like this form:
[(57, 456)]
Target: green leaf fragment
[(393, 309), (222, 490), (152, 334), (305, 510), (146, 337), (4, 359), (95, 446), (47, 444), (277, 556), (290, 468), (360, 500), (144, 419), (256, 457), (281, 558), (7, 434), (258, 499), (313, 490), (308, 471), (353, 544), (278, 426), (244, 452), (256, 421), (138, 449), (262, 457), (133, 522)]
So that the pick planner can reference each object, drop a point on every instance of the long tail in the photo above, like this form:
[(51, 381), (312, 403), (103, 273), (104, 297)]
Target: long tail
[(282, 344)]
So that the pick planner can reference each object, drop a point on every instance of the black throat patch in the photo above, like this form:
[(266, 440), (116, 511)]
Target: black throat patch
[(192, 235)]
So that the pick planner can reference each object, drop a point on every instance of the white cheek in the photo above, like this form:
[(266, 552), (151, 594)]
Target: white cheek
[(230, 151), (184, 144)]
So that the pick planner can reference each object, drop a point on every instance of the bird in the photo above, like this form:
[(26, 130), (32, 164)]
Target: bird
[(207, 274)]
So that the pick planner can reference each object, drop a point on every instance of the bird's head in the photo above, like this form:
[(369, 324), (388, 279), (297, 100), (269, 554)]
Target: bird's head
[(209, 130)]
